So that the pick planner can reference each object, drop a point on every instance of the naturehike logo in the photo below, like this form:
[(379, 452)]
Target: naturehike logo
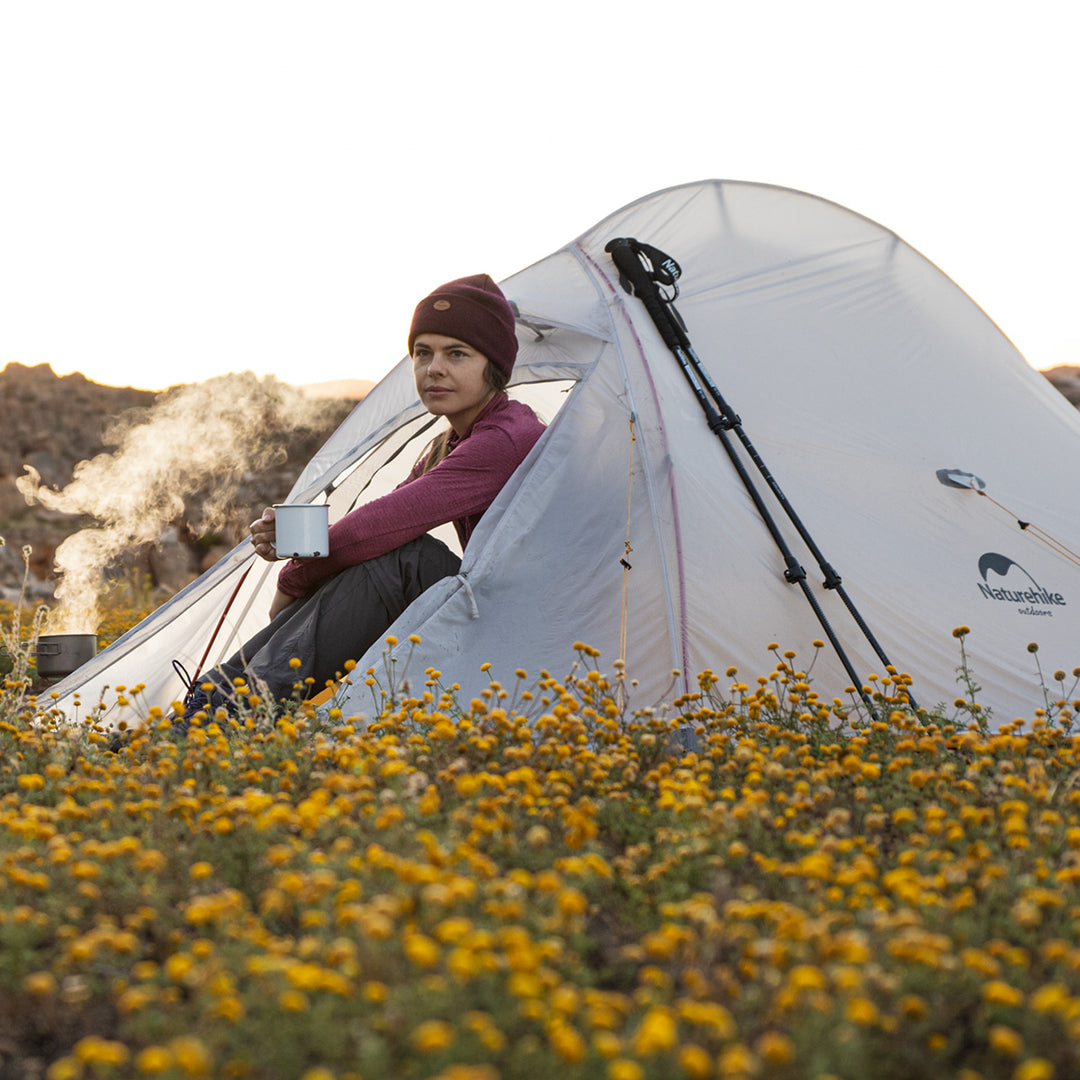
[(671, 267), (1025, 590)]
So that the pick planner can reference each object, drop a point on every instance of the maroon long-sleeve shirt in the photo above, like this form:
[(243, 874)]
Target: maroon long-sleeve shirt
[(459, 489)]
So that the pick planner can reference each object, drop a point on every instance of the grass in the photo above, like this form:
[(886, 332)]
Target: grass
[(756, 882)]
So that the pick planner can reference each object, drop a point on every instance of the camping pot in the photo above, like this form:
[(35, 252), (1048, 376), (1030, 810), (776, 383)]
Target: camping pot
[(61, 654)]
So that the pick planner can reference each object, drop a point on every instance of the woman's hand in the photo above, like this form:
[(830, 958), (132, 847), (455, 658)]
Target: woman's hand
[(263, 533)]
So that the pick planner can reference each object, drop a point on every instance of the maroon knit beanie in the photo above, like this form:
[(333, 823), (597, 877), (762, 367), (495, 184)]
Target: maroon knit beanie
[(473, 310)]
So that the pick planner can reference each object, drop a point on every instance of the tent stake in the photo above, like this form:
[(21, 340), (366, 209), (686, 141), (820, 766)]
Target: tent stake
[(643, 269)]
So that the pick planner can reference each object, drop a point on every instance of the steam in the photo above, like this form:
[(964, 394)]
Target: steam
[(205, 433)]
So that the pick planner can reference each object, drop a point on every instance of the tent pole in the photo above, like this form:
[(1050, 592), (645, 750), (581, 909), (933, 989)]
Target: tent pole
[(642, 270)]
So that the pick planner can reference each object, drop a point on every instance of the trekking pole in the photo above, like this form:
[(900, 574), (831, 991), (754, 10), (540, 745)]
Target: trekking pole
[(643, 271)]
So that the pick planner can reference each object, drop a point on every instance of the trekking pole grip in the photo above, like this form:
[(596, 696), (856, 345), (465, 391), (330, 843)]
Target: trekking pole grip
[(636, 280)]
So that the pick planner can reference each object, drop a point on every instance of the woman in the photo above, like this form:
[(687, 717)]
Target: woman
[(329, 610)]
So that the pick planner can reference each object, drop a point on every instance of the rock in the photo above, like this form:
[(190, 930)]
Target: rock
[(212, 556), (172, 562), (15, 581), (50, 465), (12, 570), (41, 559), (1067, 380)]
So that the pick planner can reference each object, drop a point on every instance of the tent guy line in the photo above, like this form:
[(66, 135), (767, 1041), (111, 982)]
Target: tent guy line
[(958, 478), (1034, 530)]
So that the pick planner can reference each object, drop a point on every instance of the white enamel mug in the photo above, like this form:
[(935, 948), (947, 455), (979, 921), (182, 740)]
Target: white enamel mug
[(301, 530)]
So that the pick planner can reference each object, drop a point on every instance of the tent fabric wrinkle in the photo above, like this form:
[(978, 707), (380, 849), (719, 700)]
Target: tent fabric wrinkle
[(860, 372), (677, 621)]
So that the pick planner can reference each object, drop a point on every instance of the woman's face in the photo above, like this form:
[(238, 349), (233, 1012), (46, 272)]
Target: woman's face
[(450, 379)]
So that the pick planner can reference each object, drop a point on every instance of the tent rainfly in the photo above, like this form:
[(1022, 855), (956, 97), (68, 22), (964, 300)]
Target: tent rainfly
[(922, 453)]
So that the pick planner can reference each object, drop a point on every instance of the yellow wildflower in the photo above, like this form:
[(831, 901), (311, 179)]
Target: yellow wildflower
[(1051, 998), (913, 1006), (776, 1048), (1034, 1069), (94, 1050), (65, 1068), (572, 902), (861, 1010), (191, 1056), (658, 1032), (695, 1061), (421, 950), (567, 1042), (737, 1061), (154, 1060), (40, 984), (432, 1036), (293, 1001), (998, 992), (806, 977), (178, 966), (1005, 1041), (607, 1044)]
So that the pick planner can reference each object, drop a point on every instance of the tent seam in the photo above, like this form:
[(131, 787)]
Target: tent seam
[(682, 634)]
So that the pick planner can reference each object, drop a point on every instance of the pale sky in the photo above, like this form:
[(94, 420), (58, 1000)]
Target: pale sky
[(197, 187)]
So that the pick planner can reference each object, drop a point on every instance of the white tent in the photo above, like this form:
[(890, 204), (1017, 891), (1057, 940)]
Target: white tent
[(860, 372)]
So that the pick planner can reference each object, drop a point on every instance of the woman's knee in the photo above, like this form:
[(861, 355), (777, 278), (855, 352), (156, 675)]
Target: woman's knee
[(423, 562)]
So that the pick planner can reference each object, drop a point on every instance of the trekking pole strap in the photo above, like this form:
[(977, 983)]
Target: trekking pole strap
[(644, 282)]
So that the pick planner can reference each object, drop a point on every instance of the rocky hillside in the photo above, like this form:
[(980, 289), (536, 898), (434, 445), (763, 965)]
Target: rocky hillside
[(1067, 380), (52, 423)]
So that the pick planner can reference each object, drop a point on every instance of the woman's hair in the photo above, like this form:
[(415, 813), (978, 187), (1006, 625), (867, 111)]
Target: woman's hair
[(496, 377), (439, 447)]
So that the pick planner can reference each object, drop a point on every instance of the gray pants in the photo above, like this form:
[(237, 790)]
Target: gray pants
[(340, 621)]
